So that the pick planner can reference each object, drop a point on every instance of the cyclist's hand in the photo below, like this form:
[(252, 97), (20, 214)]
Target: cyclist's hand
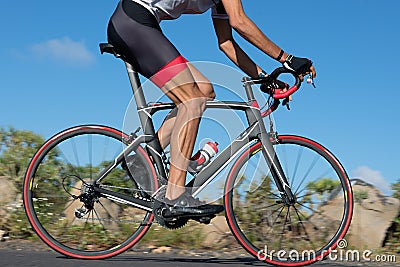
[(301, 66)]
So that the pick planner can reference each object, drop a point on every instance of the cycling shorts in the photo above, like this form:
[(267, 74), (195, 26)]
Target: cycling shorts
[(136, 34)]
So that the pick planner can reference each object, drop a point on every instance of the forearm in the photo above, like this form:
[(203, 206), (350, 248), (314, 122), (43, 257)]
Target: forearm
[(242, 24), (249, 31), (233, 51)]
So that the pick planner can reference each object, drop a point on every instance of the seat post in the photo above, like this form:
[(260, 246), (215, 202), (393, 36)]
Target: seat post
[(136, 86), (145, 119)]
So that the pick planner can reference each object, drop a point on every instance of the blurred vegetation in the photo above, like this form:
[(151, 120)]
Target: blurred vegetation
[(187, 237), (396, 189), (393, 236), (16, 149), (360, 196)]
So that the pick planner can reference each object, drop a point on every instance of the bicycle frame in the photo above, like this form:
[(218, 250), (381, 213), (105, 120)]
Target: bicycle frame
[(255, 131)]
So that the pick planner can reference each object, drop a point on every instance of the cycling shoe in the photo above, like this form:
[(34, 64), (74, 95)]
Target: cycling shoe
[(186, 206)]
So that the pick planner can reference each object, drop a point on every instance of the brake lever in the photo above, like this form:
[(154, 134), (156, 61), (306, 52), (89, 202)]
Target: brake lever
[(310, 80), (285, 102)]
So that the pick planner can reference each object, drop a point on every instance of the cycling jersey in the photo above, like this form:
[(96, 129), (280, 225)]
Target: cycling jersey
[(172, 9), (135, 32)]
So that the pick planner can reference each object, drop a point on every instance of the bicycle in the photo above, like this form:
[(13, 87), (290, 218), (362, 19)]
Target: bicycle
[(283, 192)]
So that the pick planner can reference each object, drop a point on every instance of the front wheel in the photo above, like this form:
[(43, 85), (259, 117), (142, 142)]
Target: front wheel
[(62, 205), (280, 233)]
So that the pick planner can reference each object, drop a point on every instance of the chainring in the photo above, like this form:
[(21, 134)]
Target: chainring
[(173, 223)]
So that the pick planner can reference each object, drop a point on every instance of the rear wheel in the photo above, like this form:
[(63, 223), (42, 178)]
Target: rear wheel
[(62, 205), (280, 233)]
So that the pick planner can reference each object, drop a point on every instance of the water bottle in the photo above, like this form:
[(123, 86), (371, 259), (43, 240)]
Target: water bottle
[(202, 157)]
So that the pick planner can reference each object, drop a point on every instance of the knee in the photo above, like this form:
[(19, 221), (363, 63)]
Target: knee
[(207, 89), (195, 105), (212, 95)]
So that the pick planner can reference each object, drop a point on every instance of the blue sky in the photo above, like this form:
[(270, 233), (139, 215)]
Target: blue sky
[(52, 76)]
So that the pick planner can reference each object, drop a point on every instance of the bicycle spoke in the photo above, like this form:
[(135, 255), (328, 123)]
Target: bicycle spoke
[(75, 152), (106, 210), (69, 205), (273, 197), (257, 171), (313, 210), (299, 154), (305, 195), (269, 206), (304, 228), (314, 162), (74, 217), (290, 220), (285, 161), (277, 217), (69, 164), (283, 227), (90, 149), (314, 226), (99, 219), (105, 149), (313, 181)]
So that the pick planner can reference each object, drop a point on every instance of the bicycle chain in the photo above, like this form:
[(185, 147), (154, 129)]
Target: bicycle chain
[(142, 222), (119, 187), (170, 225)]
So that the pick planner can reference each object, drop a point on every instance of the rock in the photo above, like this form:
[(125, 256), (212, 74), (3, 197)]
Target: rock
[(373, 214), (4, 235), (7, 191), (8, 197), (151, 247), (217, 233), (372, 217), (162, 249)]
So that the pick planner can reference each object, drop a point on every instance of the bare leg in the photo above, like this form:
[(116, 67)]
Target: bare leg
[(182, 130), (183, 137), (165, 131)]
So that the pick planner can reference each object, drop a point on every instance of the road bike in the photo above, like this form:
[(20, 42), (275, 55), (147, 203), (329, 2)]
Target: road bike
[(288, 200)]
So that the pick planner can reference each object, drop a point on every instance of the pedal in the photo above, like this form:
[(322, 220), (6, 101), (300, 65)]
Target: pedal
[(166, 213), (204, 220)]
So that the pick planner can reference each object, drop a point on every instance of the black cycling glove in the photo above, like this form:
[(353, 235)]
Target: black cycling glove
[(297, 64)]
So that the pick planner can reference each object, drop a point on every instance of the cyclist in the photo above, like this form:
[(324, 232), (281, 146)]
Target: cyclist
[(134, 30)]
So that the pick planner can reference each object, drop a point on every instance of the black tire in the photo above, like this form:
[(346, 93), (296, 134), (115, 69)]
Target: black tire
[(54, 179), (285, 235)]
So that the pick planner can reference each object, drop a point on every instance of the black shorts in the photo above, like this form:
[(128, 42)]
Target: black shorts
[(136, 34)]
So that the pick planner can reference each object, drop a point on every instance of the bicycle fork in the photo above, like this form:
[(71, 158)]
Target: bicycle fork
[(277, 172)]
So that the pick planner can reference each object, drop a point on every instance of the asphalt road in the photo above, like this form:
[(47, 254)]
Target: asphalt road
[(22, 258)]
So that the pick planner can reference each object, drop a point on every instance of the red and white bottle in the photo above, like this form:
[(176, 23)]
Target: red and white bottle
[(202, 157)]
